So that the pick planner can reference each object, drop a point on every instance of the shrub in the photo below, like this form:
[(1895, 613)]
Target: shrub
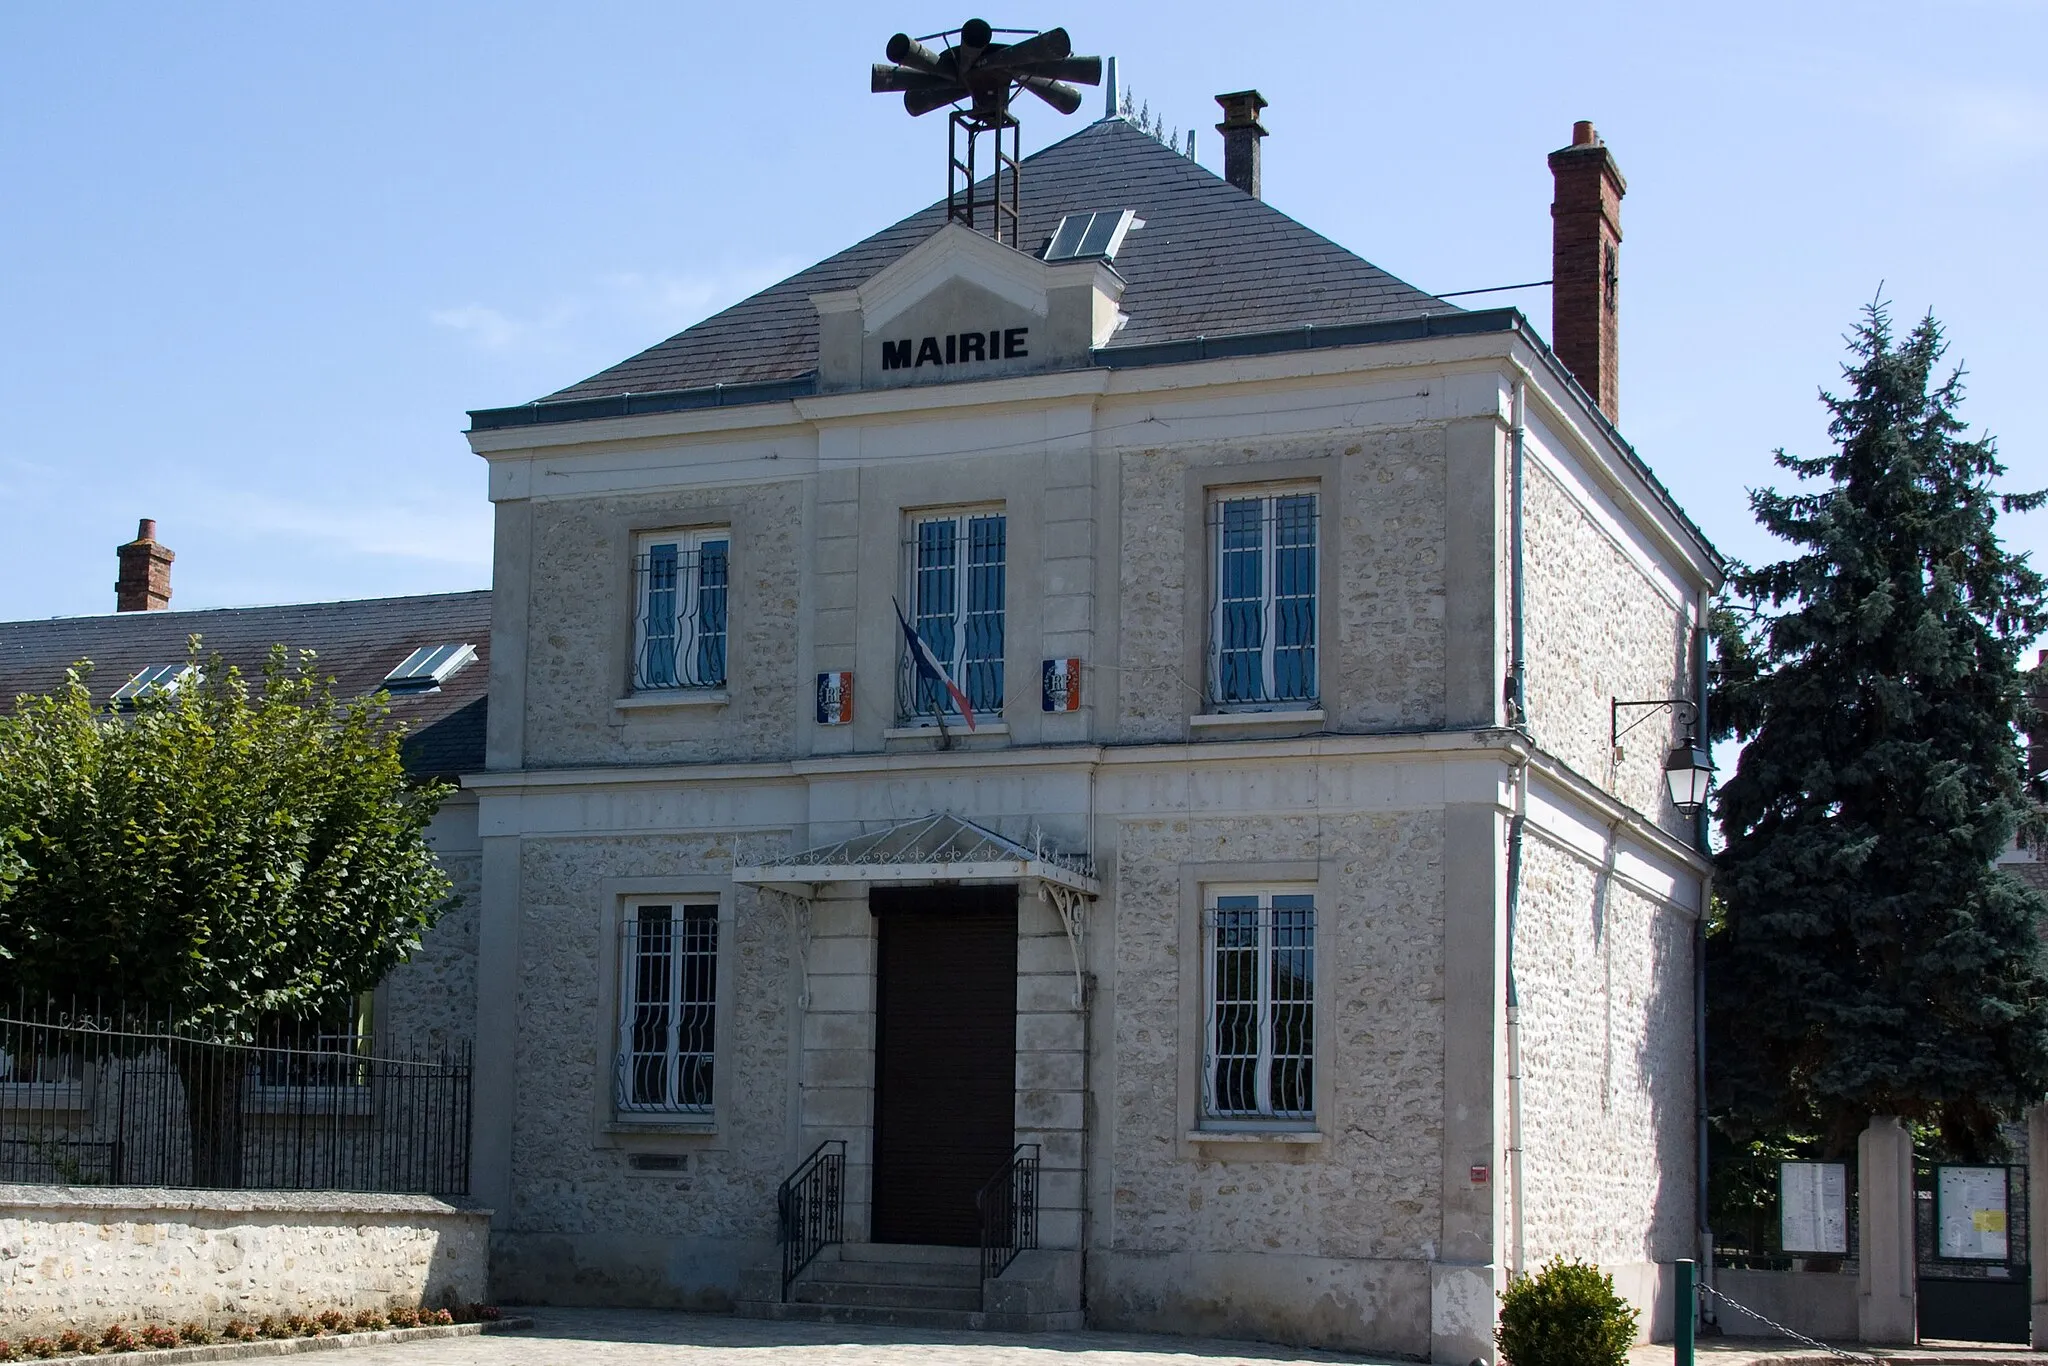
[(196, 1334), (239, 1331), (41, 1348), (119, 1337), (159, 1335), (272, 1327), (301, 1326), (370, 1320), (1567, 1314), (8, 1352), (405, 1316), (334, 1321), (74, 1343), (436, 1316)]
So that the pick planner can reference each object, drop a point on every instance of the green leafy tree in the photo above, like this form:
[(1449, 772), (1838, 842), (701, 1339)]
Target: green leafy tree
[(224, 854), (1871, 959)]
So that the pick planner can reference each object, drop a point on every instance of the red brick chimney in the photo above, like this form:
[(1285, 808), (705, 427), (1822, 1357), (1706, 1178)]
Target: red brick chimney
[(1585, 265), (145, 582)]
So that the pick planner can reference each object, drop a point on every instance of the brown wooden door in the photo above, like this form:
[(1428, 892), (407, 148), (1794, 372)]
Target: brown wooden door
[(945, 1057)]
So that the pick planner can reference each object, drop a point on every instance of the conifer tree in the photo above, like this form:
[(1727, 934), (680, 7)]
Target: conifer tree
[(1869, 958)]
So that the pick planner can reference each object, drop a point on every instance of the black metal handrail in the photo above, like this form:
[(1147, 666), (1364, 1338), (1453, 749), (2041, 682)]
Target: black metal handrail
[(1008, 1205), (810, 1208)]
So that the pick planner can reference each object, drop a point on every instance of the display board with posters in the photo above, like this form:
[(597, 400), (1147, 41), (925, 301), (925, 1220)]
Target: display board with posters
[(1970, 1213), (1813, 1207)]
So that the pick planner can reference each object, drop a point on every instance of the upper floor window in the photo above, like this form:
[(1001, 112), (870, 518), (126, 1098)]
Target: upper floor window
[(1260, 949), (957, 564), (679, 632), (668, 982), (1262, 616)]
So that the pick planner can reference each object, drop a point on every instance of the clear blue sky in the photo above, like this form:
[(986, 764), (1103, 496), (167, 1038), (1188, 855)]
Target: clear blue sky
[(259, 258)]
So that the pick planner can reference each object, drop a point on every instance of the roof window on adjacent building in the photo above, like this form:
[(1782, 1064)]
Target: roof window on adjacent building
[(157, 678), (428, 667), (1082, 235)]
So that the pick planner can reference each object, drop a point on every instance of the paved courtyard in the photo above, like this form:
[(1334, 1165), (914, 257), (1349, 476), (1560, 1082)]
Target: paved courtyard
[(638, 1337)]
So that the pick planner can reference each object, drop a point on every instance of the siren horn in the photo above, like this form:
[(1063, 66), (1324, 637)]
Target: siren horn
[(1060, 96), (905, 50), (1050, 45)]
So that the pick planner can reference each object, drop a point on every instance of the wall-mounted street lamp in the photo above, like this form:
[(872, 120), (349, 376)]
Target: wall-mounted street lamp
[(1689, 770)]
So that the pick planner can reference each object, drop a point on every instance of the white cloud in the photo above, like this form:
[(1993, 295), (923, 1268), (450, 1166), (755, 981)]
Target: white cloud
[(454, 533), (614, 312), (1988, 126)]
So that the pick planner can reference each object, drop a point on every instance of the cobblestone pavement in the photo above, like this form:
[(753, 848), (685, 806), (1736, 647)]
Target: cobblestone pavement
[(642, 1337), (631, 1337)]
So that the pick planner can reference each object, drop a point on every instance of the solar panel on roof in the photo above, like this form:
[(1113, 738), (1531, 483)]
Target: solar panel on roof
[(1082, 235), (428, 668), (163, 678)]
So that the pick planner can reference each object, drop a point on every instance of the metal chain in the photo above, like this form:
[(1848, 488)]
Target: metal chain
[(1777, 1327)]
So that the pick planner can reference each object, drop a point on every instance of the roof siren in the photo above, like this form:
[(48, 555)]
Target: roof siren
[(974, 67)]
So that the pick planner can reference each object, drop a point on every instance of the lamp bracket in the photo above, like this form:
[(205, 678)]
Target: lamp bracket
[(1684, 708)]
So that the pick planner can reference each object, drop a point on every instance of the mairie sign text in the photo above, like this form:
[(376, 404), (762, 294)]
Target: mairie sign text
[(957, 348)]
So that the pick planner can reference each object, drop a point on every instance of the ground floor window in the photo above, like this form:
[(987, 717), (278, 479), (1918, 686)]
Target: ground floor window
[(1259, 948), (668, 975)]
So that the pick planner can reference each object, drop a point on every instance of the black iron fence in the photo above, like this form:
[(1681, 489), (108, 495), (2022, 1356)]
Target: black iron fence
[(1008, 1205), (810, 1208), (118, 1099)]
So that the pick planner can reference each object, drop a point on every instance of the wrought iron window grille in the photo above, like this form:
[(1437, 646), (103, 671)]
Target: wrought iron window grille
[(1259, 954), (681, 588), (957, 566), (1263, 566), (668, 977)]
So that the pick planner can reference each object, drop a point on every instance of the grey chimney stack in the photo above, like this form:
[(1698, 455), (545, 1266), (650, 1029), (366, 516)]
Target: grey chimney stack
[(1241, 133)]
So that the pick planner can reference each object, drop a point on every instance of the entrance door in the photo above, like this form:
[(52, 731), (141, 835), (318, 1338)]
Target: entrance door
[(945, 1057)]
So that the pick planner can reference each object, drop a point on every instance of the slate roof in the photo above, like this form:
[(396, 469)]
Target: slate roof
[(1210, 260), (358, 643)]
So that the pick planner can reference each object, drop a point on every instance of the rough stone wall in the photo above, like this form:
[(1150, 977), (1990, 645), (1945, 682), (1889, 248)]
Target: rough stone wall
[(1178, 1223), (1598, 630), (585, 1226), (428, 1002), (580, 630), (82, 1258), (1381, 662), (1607, 1065)]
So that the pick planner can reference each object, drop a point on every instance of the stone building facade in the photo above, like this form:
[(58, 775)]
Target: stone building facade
[(1215, 531)]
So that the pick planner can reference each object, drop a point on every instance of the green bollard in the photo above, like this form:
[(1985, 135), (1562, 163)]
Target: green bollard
[(1684, 1309)]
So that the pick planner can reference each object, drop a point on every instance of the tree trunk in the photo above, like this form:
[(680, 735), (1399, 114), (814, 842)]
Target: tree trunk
[(215, 1079)]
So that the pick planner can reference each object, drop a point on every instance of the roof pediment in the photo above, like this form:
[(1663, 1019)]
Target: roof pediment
[(962, 306)]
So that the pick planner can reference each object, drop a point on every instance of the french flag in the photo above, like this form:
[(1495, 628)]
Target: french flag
[(928, 666)]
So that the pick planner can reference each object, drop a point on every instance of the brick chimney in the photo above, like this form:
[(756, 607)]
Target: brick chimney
[(145, 582), (1585, 265), (1241, 133)]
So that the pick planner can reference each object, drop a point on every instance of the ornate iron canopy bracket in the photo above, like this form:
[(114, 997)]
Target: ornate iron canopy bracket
[(1072, 907)]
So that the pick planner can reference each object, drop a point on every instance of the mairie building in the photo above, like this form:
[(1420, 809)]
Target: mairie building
[(1122, 776), (1074, 781)]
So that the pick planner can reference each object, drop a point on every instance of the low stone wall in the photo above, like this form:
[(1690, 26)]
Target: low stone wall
[(84, 1257), (1820, 1304)]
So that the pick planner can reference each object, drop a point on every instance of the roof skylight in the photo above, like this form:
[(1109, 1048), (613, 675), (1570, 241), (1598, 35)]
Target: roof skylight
[(1082, 235), (428, 668), (157, 678)]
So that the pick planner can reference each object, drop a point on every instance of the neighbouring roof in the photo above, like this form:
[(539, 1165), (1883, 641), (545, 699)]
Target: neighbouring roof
[(1210, 260), (357, 642), (931, 848)]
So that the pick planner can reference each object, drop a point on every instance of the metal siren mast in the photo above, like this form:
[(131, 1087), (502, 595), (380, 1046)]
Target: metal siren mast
[(973, 66)]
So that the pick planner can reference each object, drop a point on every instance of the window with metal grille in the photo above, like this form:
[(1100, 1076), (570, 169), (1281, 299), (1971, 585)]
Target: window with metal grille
[(957, 564), (1260, 949), (668, 977), (679, 633), (1262, 621)]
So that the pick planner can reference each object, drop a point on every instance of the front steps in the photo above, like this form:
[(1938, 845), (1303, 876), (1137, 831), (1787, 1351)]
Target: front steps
[(902, 1285)]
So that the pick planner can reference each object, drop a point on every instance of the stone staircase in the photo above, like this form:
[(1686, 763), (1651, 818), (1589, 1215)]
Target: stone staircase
[(902, 1285)]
